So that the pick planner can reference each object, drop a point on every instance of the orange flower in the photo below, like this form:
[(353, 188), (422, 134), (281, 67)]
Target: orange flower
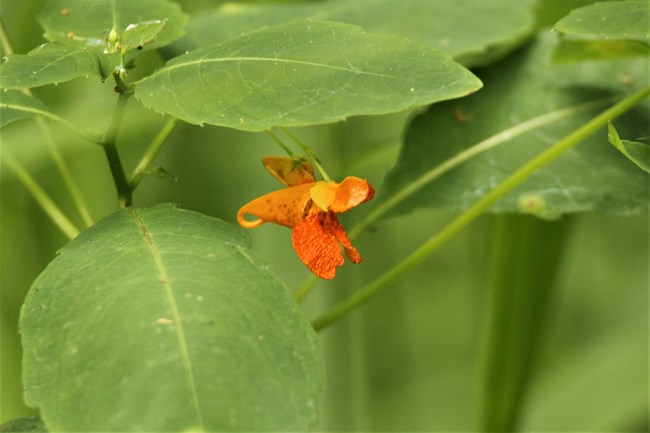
[(310, 209), (289, 171)]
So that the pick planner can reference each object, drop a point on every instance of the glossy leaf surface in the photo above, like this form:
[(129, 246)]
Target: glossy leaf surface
[(89, 24), (461, 29), (302, 73), (50, 63), (15, 105), (161, 319), (590, 177)]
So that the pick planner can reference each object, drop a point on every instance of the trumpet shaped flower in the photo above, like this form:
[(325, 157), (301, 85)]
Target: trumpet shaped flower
[(310, 209)]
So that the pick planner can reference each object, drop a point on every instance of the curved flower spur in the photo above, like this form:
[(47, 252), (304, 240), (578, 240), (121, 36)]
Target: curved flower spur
[(309, 208)]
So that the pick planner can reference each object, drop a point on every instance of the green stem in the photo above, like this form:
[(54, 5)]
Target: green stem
[(314, 160), (525, 256), (144, 166), (64, 171), (305, 287), (489, 143), (415, 258), (280, 143), (7, 47), (124, 190), (41, 197), (62, 167), (93, 138)]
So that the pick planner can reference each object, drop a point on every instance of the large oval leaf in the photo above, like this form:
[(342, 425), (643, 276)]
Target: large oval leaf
[(473, 31), (590, 177), (15, 105), (89, 24), (49, 63), (302, 73), (161, 319)]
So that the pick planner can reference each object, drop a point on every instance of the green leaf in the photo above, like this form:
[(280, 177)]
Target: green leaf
[(590, 177), (50, 63), (23, 425), (140, 34), (573, 50), (611, 20), (109, 26), (162, 319), (636, 152), (15, 105), (458, 28), (302, 73)]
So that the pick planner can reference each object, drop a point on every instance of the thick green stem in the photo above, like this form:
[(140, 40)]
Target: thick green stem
[(371, 289), (124, 190), (525, 255)]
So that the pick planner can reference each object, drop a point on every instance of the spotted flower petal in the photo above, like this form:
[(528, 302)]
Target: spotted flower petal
[(310, 210), (286, 207)]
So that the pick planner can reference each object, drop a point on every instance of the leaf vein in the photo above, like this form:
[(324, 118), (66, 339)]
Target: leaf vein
[(180, 333), (264, 59)]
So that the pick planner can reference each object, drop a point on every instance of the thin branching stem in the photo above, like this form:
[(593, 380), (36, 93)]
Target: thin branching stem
[(310, 154), (42, 198), (491, 142), (144, 166), (455, 226), (62, 167), (280, 143)]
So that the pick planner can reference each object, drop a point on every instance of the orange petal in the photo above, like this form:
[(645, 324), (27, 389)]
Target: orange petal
[(286, 207), (289, 171), (350, 193), (316, 248), (332, 225)]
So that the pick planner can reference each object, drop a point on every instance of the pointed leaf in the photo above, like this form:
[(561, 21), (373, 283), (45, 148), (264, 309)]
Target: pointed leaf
[(162, 319), (140, 34), (49, 63), (611, 20), (302, 73), (458, 28), (15, 105), (100, 25), (636, 152), (590, 177)]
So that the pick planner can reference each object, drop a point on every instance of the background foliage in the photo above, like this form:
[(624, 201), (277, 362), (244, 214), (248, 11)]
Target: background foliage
[(408, 359)]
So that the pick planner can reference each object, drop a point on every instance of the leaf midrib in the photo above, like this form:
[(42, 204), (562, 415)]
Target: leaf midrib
[(180, 333), (275, 60)]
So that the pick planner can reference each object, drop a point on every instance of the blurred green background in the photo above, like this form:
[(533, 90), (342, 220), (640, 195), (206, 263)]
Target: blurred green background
[(408, 359)]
